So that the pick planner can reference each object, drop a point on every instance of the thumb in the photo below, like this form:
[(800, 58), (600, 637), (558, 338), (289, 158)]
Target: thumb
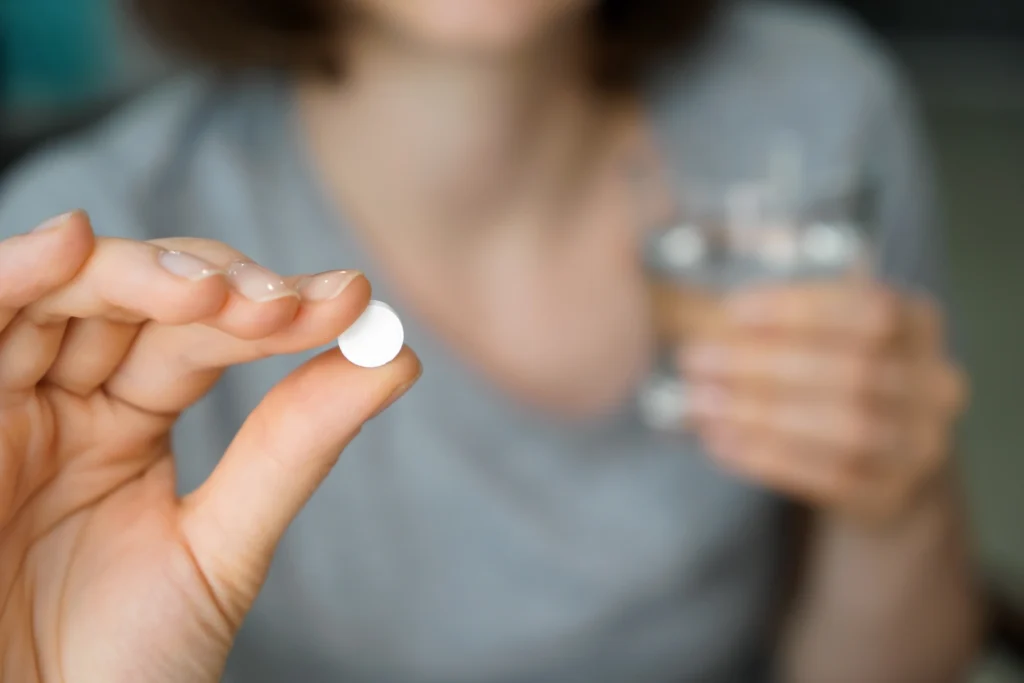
[(285, 449)]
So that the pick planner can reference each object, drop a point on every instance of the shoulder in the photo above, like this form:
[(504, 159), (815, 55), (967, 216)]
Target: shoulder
[(791, 31), (771, 66), (795, 45), (120, 170)]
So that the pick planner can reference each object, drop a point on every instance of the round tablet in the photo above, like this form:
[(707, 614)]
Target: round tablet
[(375, 338)]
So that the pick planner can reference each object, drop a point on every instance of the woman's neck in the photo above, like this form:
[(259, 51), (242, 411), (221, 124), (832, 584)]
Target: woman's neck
[(449, 145)]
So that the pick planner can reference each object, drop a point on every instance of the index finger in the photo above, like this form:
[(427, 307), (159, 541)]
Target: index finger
[(33, 264)]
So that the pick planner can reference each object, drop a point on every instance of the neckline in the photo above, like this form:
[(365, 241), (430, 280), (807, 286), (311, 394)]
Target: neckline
[(490, 401)]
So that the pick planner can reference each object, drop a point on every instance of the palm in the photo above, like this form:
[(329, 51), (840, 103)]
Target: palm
[(105, 573), (113, 604)]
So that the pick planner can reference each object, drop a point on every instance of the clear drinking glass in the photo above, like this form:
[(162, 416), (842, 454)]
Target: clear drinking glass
[(781, 227)]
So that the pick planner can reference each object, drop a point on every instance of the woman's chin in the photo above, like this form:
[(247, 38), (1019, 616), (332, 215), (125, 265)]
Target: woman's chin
[(475, 27)]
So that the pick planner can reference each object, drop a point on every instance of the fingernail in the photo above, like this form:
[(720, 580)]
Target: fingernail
[(395, 395), (705, 358), (54, 222), (187, 266), (256, 283), (325, 286)]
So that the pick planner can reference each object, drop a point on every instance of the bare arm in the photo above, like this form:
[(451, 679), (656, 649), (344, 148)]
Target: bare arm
[(877, 602), (896, 603)]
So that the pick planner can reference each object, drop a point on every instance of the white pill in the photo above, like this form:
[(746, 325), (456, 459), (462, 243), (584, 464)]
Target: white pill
[(375, 338)]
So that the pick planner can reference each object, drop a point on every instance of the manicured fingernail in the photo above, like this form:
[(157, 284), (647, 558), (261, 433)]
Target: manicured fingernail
[(705, 358), (187, 266), (256, 283), (54, 222), (325, 286)]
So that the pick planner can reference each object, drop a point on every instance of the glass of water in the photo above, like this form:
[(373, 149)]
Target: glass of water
[(726, 236)]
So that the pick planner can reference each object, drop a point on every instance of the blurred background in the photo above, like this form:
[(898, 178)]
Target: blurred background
[(966, 58)]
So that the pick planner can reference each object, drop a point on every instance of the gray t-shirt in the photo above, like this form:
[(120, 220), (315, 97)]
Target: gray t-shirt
[(465, 537)]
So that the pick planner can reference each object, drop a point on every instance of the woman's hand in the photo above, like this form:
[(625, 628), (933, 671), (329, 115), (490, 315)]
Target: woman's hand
[(105, 574), (838, 394)]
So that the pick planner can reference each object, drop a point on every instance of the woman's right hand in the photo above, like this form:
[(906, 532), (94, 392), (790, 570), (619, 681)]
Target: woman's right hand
[(105, 574)]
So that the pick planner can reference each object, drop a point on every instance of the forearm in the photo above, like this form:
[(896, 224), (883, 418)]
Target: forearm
[(898, 604)]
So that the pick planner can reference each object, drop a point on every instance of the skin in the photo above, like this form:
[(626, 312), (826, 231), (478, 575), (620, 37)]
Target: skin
[(515, 217), (105, 574)]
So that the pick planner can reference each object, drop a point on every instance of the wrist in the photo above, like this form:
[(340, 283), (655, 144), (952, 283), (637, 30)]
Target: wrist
[(935, 504)]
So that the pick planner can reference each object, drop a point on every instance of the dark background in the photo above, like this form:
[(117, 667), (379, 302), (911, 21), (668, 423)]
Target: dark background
[(944, 17)]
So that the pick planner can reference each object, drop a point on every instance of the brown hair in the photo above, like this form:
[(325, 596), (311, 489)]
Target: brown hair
[(630, 36)]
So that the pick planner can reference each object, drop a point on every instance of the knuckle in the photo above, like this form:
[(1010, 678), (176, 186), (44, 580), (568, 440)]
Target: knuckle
[(29, 272)]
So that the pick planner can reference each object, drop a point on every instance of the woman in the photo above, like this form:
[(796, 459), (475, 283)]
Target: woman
[(509, 520)]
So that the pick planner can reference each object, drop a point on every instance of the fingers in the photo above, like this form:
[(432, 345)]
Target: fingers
[(828, 424), (826, 449), (840, 395), (154, 322), (246, 301), (282, 453), (795, 470), (91, 349), (856, 314), (683, 313), (122, 281), (134, 281), (38, 262), (170, 367), (780, 466), (773, 367), (869, 486), (142, 330), (863, 313), (868, 314), (260, 301)]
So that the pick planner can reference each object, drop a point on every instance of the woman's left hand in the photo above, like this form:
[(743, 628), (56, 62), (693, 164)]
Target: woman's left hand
[(841, 395)]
